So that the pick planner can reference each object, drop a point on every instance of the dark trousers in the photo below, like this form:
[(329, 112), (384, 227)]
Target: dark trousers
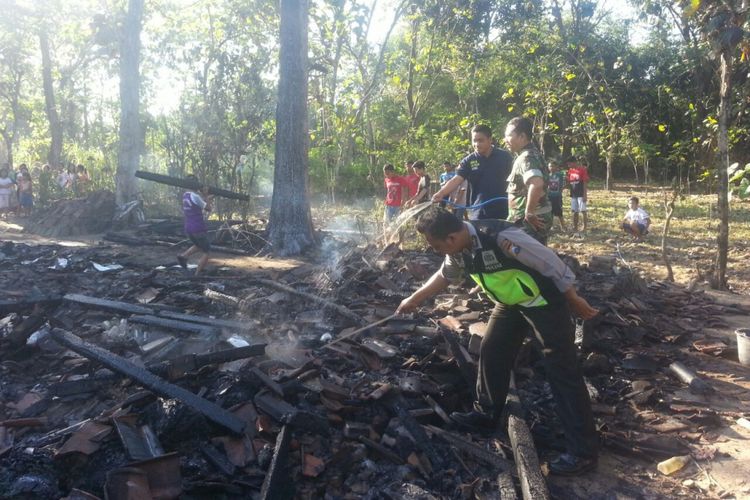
[(553, 327)]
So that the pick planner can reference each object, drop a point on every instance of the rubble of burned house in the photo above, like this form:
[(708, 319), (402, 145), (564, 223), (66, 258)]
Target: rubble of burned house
[(121, 380)]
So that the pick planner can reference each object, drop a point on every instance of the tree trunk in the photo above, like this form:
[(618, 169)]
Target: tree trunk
[(290, 221), (410, 73), (8, 146), (610, 159), (55, 127), (668, 212), (129, 151), (725, 106)]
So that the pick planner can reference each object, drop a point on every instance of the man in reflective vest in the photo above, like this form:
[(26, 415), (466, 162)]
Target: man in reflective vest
[(529, 285)]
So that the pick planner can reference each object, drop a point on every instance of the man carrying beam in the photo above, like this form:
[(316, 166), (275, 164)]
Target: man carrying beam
[(530, 285), (194, 203)]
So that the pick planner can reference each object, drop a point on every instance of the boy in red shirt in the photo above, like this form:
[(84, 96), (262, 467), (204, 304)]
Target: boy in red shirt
[(578, 178), (396, 192), (411, 179)]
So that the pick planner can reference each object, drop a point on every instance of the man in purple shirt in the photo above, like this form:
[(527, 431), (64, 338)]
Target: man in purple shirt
[(194, 203)]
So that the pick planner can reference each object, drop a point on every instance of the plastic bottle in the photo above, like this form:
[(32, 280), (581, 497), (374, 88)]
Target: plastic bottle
[(673, 464)]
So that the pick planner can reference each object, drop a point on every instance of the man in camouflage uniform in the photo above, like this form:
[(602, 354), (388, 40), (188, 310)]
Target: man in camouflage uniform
[(528, 205)]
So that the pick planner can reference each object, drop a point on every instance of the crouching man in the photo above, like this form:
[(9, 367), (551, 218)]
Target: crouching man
[(530, 285)]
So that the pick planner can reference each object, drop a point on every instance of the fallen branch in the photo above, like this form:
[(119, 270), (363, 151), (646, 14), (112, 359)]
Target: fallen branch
[(533, 486)]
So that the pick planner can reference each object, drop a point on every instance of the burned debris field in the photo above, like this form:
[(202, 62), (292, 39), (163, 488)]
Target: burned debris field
[(122, 376)]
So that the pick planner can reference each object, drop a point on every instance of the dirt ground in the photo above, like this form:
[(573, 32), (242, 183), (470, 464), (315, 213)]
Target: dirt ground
[(725, 471)]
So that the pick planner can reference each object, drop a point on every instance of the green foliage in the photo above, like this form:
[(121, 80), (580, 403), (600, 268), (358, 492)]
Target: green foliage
[(436, 69), (739, 180)]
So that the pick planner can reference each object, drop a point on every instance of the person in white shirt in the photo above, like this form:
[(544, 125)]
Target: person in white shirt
[(636, 220)]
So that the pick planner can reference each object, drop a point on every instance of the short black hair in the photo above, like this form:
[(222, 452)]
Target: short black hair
[(388, 167), (438, 223), (522, 125), (482, 129), (419, 164), (635, 199), (570, 159)]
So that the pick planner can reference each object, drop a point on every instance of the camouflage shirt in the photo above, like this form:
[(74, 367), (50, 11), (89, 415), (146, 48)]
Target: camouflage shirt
[(529, 163)]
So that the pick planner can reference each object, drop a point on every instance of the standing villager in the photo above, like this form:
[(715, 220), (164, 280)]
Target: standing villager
[(25, 191), (396, 193), (528, 204), (554, 191), (194, 204), (411, 178), (486, 170), (529, 285), (578, 178), (423, 186), (7, 190)]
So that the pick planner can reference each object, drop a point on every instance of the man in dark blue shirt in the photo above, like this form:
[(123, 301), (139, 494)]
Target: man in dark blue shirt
[(487, 170)]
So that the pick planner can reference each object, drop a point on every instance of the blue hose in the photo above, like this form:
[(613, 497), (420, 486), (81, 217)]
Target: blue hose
[(478, 205)]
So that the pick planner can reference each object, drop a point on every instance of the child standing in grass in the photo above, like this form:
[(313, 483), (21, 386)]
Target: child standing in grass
[(554, 191), (25, 191), (194, 203), (636, 220)]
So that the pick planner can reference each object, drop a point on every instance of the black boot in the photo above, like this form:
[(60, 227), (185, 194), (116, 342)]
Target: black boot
[(475, 420), (570, 465)]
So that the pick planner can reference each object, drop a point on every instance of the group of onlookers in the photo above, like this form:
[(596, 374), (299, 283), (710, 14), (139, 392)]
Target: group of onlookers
[(17, 188), (490, 184)]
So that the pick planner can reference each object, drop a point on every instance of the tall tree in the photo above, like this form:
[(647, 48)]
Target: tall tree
[(290, 222), (724, 25), (55, 126), (13, 73), (130, 126)]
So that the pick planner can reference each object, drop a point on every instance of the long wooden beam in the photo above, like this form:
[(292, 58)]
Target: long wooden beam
[(189, 184)]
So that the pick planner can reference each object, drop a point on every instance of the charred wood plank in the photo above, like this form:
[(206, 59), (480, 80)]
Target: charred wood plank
[(189, 184), (463, 359), (176, 368), (147, 379), (477, 452), (107, 305), (140, 442), (202, 320), (173, 324), (533, 486), (287, 414), (82, 386), (327, 304), (218, 459), (422, 440), (274, 386), (381, 450), (506, 487), (697, 385), (276, 485)]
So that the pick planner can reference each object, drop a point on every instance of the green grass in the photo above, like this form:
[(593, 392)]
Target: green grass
[(691, 240)]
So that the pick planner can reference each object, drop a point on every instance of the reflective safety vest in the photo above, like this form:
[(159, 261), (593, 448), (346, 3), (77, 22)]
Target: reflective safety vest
[(505, 279)]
